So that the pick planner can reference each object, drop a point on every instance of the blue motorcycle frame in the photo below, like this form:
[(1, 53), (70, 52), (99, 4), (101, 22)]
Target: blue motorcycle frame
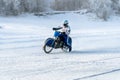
[(56, 43)]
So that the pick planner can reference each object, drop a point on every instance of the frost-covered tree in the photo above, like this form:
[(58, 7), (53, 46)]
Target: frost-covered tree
[(115, 4), (2, 7), (40, 5), (11, 8), (102, 8), (15, 7), (23, 6), (70, 4), (119, 7)]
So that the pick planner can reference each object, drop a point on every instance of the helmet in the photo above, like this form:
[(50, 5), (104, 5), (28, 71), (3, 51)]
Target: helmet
[(66, 22)]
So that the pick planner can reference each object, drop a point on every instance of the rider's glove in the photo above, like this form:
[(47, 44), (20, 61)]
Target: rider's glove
[(54, 28), (62, 32)]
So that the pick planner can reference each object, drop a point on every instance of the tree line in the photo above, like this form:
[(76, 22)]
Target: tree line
[(102, 8)]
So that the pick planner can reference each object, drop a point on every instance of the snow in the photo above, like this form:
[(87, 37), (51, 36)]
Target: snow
[(95, 54)]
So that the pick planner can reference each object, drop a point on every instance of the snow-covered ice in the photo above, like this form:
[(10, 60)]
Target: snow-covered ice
[(95, 54)]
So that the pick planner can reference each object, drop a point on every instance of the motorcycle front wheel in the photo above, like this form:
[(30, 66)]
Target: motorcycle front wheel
[(47, 49), (48, 46)]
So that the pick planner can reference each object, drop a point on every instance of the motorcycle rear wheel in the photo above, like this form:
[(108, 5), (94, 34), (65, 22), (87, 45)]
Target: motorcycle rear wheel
[(66, 49)]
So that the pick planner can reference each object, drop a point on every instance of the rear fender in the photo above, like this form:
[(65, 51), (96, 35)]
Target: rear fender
[(69, 41)]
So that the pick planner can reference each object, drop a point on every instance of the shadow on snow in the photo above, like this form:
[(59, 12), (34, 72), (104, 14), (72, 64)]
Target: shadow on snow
[(94, 51)]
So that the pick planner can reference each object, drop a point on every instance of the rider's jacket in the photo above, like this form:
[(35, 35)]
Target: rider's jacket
[(65, 29)]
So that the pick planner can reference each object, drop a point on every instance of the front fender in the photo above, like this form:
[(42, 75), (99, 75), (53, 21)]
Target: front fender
[(49, 42)]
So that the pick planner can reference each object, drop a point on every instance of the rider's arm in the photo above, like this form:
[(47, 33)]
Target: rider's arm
[(57, 28)]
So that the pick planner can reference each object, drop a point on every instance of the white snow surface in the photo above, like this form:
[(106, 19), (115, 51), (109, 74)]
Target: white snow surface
[(95, 54)]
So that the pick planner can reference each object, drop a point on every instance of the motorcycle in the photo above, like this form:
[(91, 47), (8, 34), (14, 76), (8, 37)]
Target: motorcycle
[(60, 40)]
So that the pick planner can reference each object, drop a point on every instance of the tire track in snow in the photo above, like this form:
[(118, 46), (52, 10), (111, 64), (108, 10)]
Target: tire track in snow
[(99, 74), (22, 41), (19, 38), (11, 40), (53, 68), (107, 59), (97, 34), (16, 42), (20, 47), (102, 73)]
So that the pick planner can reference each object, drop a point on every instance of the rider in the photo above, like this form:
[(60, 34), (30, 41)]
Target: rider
[(65, 30)]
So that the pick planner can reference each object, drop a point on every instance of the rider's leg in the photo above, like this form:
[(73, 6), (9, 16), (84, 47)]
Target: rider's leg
[(68, 43)]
